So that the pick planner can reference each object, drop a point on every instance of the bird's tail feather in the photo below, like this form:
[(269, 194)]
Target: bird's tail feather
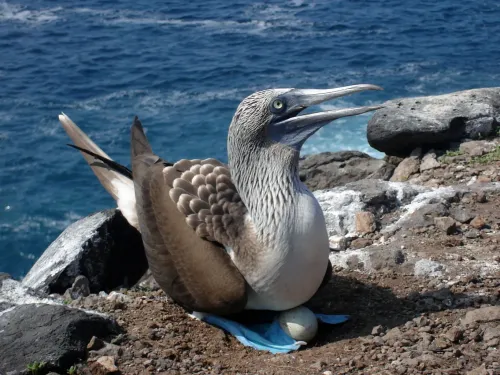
[(115, 178)]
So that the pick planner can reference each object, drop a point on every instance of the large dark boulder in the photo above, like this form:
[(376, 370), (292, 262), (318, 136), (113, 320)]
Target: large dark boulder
[(434, 121), (330, 169), (54, 334), (104, 247)]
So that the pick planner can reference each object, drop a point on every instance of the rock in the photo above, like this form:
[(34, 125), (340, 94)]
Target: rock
[(405, 169), (329, 169), (13, 293), (365, 222), (472, 233), (337, 243), (478, 222), (461, 214), (404, 124), (104, 365), (477, 148), (482, 315), (147, 282), (446, 224), (341, 204), (377, 330), (426, 267), (491, 333), (54, 334), (95, 343), (424, 216), (481, 370), (360, 243), (102, 247), (392, 336), (80, 288), (429, 162), (454, 334)]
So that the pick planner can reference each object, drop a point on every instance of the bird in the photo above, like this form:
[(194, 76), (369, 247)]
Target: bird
[(223, 238)]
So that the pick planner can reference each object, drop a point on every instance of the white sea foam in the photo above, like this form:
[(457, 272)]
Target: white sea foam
[(21, 13)]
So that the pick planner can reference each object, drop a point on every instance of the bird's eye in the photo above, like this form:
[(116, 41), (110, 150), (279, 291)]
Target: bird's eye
[(277, 105)]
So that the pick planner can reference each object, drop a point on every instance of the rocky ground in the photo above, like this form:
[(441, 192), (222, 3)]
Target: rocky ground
[(415, 244), (433, 308)]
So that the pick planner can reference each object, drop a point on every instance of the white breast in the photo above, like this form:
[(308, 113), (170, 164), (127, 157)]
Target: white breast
[(291, 272)]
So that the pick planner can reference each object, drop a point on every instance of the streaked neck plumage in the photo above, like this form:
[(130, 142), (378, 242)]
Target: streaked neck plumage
[(267, 179)]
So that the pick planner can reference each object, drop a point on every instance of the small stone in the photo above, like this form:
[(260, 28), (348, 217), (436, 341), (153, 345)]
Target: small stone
[(477, 148), (392, 336), (426, 267), (472, 233), (482, 315), (481, 370), (446, 224), (360, 243), (478, 222), (480, 197), (429, 162), (377, 330), (454, 334), (421, 321), (95, 343), (106, 365), (318, 365), (461, 214), (491, 333), (338, 243), (365, 222), (405, 169), (327, 373)]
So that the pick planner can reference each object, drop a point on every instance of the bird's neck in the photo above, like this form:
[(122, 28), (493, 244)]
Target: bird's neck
[(268, 182)]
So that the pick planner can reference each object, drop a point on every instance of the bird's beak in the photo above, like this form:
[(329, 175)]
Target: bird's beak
[(294, 130)]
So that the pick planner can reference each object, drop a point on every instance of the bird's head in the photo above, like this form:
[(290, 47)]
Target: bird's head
[(273, 116)]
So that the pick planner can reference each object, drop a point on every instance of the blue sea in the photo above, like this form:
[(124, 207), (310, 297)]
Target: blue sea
[(183, 67)]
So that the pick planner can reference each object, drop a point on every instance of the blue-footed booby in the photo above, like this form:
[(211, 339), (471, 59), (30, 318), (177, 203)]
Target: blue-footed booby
[(223, 238)]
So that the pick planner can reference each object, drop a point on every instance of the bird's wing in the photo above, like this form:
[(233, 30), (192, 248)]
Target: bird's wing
[(196, 273), (204, 192)]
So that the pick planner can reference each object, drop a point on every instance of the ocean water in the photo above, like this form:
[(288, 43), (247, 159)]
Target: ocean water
[(183, 67)]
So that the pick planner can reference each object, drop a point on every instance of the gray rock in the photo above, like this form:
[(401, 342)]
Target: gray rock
[(103, 247), (426, 215), (341, 204), (426, 267), (80, 288), (405, 124), (330, 169), (461, 214), (57, 335)]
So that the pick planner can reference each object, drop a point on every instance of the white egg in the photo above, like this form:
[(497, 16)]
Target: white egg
[(299, 323)]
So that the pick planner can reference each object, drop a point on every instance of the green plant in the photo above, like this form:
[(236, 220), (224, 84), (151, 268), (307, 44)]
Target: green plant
[(35, 368), (452, 153), (72, 370)]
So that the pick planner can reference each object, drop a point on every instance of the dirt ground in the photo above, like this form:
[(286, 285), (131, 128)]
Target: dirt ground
[(447, 323)]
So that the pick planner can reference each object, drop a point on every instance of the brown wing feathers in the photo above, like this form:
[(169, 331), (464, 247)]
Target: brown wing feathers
[(204, 192)]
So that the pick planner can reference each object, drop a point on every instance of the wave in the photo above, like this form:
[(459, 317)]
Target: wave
[(20, 13), (31, 224)]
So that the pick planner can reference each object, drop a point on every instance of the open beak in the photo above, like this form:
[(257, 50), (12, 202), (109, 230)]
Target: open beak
[(294, 129)]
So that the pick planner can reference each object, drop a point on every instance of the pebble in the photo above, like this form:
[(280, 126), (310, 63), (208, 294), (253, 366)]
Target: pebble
[(106, 365)]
